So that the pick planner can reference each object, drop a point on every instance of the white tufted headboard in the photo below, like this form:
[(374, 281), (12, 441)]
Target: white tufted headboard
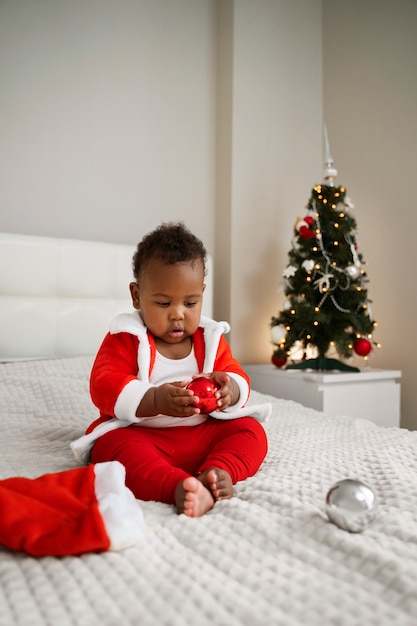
[(58, 296)]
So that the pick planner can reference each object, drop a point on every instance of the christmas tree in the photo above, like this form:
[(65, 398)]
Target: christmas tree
[(327, 307)]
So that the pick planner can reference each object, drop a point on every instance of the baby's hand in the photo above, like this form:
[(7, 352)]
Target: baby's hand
[(228, 392), (174, 399), (168, 399)]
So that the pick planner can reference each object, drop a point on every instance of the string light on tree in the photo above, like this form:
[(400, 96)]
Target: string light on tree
[(325, 284)]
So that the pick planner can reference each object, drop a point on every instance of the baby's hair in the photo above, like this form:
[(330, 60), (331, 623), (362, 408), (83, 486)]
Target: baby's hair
[(171, 242)]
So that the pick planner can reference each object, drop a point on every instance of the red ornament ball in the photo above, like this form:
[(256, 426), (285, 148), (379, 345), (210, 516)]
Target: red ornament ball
[(204, 389), (362, 346), (306, 233), (279, 361), (309, 219)]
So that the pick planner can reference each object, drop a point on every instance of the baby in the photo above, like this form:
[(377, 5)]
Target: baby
[(149, 420)]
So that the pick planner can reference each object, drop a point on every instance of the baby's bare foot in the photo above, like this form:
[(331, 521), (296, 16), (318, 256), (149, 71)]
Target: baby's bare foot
[(218, 481), (193, 498)]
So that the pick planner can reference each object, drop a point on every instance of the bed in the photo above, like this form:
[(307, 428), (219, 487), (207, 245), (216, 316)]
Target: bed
[(268, 556)]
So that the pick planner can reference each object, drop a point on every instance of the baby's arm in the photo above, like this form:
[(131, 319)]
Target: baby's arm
[(168, 399)]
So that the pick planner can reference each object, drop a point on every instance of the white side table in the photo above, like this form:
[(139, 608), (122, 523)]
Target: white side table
[(372, 394)]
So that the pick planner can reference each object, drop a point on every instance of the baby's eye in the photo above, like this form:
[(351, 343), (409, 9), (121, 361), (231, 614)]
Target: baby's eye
[(162, 304), (190, 304)]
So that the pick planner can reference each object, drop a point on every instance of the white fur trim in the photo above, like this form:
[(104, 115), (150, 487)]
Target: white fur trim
[(128, 323), (260, 412), (81, 447), (121, 512), (243, 391), (125, 409), (212, 333), (129, 399)]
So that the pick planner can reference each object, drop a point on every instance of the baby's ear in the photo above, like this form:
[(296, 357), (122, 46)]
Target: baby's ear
[(135, 293)]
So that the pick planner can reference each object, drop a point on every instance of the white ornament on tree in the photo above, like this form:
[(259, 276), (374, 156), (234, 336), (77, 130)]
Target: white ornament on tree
[(352, 271), (289, 271), (308, 265), (278, 333)]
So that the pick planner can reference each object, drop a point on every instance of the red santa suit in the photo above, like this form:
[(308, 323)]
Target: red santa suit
[(122, 374)]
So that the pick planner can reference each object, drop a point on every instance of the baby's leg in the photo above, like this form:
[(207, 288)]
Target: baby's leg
[(218, 481), (237, 449), (192, 498), (150, 473)]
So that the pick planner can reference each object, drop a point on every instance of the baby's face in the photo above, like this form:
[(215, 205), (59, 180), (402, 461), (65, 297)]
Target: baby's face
[(170, 298)]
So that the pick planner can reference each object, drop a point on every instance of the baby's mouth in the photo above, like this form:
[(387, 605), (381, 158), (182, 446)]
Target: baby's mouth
[(176, 332)]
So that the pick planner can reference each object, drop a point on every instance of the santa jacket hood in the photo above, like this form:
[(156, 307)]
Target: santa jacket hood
[(132, 323)]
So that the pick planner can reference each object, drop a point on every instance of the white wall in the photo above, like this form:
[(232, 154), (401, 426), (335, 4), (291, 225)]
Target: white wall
[(107, 116), (370, 106), (276, 155)]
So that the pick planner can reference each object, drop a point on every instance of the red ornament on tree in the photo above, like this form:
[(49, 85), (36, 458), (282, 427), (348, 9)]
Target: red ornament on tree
[(306, 233), (362, 346), (204, 388), (279, 361), (306, 227)]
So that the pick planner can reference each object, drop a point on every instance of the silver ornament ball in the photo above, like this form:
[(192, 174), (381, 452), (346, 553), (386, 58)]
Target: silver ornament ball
[(351, 505)]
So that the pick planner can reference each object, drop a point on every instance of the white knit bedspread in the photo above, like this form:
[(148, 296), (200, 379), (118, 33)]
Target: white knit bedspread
[(268, 556)]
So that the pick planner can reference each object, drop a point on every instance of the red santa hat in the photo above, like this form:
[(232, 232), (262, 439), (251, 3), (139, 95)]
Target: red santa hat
[(86, 509)]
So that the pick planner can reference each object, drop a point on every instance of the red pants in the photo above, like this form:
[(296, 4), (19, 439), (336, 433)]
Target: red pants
[(158, 459)]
